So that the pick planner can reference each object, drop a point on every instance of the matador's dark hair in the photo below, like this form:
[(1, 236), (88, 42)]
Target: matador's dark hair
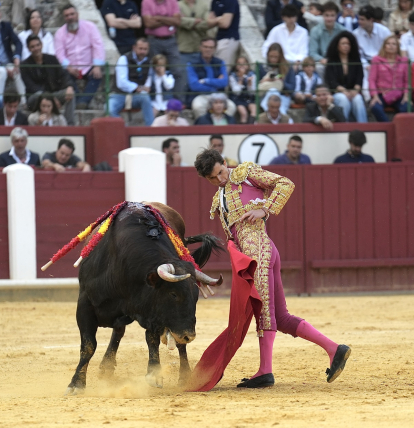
[(206, 160)]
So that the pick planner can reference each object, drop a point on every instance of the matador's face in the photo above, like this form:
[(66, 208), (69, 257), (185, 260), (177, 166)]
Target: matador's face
[(219, 175)]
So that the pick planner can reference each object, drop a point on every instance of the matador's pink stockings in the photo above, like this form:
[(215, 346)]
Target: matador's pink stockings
[(306, 331), (266, 352)]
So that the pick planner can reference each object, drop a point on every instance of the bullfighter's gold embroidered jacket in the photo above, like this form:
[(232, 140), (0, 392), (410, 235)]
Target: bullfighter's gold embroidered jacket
[(276, 191)]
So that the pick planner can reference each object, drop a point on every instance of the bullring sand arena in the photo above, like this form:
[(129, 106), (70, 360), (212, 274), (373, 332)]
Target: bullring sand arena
[(39, 353)]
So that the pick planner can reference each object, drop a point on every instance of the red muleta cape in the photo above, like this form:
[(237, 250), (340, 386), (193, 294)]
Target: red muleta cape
[(244, 303)]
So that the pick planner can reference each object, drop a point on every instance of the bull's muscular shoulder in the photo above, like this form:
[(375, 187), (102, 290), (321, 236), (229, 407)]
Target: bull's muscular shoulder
[(173, 217)]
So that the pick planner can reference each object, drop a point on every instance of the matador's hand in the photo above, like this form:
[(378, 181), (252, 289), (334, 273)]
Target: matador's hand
[(253, 215)]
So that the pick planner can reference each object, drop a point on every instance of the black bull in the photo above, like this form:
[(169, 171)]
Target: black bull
[(119, 284)]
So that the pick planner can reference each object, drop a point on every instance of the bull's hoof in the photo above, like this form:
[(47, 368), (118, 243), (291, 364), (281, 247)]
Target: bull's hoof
[(184, 378), (73, 390), (106, 370), (154, 380)]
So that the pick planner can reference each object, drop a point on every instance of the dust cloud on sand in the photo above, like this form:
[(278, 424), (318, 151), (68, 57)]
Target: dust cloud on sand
[(40, 349)]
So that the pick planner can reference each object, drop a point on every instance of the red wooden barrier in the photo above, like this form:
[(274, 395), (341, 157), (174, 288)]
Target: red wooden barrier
[(4, 231), (65, 205), (345, 228), (359, 227)]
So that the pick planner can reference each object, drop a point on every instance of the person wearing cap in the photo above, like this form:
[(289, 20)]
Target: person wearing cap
[(356, 139), (216, 114), (172, 115)]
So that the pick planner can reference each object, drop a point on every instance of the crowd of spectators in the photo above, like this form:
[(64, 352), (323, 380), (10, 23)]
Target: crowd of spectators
[(334, 61)]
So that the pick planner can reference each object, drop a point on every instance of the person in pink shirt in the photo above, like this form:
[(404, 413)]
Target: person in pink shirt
[(161, 19), (79, 48), (388, 80)]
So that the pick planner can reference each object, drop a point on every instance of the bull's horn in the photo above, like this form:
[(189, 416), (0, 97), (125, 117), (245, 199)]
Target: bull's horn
[(202, 277), (167, 271)]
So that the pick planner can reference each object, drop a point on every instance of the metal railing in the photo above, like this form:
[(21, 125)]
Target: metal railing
[(108, 76)]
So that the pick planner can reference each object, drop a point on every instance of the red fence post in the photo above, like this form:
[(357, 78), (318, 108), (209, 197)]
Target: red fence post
[(108, 139)]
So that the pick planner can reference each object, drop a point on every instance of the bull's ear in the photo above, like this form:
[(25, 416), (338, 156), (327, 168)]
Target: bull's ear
[(152, 279)]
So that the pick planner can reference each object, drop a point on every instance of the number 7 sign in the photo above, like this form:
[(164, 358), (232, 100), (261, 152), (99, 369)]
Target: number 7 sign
[(258, 148)]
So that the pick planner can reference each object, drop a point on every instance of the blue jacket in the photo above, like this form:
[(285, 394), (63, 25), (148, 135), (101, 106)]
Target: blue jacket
[(6, 159), (199, 69), (284, 160), (9, 38)]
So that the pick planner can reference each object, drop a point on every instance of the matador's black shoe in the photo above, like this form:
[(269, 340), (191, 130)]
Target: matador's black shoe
[(338, 363), (258, 382)]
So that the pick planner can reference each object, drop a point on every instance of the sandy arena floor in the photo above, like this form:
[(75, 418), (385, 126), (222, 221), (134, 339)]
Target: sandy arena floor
[(39, 353)]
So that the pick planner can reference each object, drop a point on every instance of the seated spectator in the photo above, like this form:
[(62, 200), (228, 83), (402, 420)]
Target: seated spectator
[(171, 148), (306, 82), (273, 13), (370, 35), (64, 158), (225, 14), (398, 21), (276, 78), (161, 19), (52, 79), (11, 116), (313, 16), (34, 27), (243, 86), (206, 74), (19, 153), (193, 28), (162, 83), (217, 143), (344, 75), (293, 38), (47, 112), (10, 55), (322, 34), (347, 17), (323, 112), (172, 115), (272, 113), (388, 80), (293, 154), (122, 19), (79, 45), (356, 139), (132, 82), (216, 114), (407, 41)]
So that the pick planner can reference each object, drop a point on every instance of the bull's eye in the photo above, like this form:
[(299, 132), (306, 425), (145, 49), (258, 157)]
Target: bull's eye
[(173, 295)]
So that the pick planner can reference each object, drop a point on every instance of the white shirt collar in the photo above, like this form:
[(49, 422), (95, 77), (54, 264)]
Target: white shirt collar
[(12, 153), (11, 121)]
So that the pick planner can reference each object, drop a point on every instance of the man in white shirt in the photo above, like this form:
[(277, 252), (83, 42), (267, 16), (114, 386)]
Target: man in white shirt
[(369, 34), (407, 40), (370, 37), (293, 38)]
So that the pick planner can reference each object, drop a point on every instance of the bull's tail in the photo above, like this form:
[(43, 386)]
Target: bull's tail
[(209, 244)]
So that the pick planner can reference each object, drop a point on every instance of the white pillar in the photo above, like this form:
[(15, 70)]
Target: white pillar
[(22, 221), (145, 174)]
